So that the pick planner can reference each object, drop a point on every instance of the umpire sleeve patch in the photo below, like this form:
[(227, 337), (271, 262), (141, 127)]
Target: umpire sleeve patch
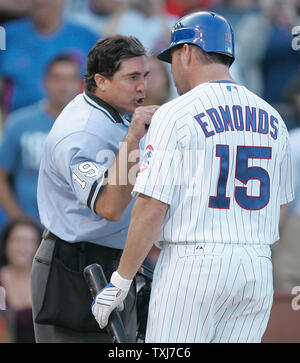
[(95, 191), (87, 179)]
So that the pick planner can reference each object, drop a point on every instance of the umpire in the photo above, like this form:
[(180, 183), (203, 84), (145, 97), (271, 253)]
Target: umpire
[(84, 195)]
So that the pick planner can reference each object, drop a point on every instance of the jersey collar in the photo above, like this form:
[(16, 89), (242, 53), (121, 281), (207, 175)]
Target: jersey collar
[(103, 106), (223, 81)]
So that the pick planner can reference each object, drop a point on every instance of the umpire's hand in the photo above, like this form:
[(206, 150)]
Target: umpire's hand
[(109, 298), (141, 120)]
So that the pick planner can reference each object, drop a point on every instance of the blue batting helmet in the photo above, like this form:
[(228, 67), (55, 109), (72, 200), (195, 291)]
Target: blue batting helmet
[(209, 31)]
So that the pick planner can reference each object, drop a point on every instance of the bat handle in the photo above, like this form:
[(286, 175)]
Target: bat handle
[(96, 281), (92, 275)]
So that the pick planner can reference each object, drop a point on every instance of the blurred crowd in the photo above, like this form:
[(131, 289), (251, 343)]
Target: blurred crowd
[(42, 64)]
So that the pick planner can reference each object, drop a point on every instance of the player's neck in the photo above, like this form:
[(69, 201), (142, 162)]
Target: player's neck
[(210, 73)]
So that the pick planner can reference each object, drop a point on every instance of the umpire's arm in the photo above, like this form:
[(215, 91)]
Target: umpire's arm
[(116, 194)]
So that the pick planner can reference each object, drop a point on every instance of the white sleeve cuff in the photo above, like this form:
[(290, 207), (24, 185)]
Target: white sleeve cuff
[(120, 282)]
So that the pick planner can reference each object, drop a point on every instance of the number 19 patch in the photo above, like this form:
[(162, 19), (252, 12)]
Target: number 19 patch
[(87, 169)]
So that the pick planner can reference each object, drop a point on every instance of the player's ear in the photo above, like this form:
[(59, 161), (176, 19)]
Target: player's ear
[(100, 81), (186, 55)]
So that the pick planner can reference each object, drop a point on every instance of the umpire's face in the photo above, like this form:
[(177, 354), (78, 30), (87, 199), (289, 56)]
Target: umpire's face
[(126, 89)]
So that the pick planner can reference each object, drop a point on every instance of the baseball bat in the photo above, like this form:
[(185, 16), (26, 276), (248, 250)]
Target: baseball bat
[(96, 281)]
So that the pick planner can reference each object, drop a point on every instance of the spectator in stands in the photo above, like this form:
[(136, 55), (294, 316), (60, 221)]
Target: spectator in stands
[(31, 43), (179, 8), (93, 14), (13, 9), (158, 83), (146, 20), (235, 10), (19, 242), (292, 97), (286, 253), (24, 134), (3, 215), (267, 60)]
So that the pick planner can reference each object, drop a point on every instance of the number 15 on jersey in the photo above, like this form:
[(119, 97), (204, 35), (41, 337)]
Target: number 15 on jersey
[(243, 173)]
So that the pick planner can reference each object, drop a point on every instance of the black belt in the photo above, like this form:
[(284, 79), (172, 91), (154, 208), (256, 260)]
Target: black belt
[(79, 245), (49, 235)]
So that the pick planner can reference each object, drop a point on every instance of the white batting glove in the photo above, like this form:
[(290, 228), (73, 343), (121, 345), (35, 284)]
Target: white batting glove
[(109, 298)]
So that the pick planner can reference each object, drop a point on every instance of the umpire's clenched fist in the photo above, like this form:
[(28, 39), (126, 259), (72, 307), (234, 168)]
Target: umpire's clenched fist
[(141, 120)]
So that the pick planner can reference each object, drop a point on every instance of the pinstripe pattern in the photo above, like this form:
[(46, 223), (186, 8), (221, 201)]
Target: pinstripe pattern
[(213, 280), (174, 134), (222, 294)]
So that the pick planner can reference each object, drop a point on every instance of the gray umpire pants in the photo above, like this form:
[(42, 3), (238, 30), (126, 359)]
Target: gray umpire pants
[(55, 334)]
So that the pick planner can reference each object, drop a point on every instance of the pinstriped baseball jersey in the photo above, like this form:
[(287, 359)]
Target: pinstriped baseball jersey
[(220, 157)]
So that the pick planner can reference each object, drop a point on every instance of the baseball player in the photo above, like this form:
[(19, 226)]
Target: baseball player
[(209, 194), (83, 199)]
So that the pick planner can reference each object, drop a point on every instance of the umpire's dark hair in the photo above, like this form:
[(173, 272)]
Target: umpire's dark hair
[(7, 230), (106, 57)]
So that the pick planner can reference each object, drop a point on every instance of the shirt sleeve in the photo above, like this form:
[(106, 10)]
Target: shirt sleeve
[(160, 165), (286, 175), (83, 161)]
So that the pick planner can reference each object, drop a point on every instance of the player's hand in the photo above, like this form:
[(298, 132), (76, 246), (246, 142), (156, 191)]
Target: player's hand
[(141, 120), (109, 298)]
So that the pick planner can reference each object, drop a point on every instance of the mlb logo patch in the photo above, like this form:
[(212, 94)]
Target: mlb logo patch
[(232, 88), (146, 158)]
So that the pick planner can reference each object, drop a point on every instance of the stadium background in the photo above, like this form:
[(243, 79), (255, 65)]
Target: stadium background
[(36, 31)]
